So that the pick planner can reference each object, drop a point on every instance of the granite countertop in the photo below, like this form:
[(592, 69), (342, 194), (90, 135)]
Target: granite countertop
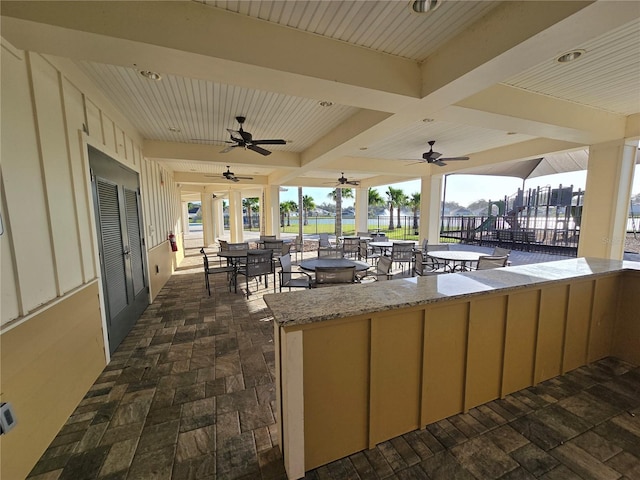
[(309, 306)]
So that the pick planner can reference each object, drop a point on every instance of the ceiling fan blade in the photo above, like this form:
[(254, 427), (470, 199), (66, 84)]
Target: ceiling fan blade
[(413, 163), (244, 178), (228, 149), (269, 142), (440, 163), (259, 150), (236, 136), (353, 182), (448, 159)]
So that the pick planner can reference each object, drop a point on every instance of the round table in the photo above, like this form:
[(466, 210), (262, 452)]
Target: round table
[(457, 256), (385, 246), (311, 264)]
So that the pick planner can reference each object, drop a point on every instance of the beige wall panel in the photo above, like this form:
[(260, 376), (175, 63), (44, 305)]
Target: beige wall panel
[(94, 122), (520, 341), (396, 373), (485, 350), (57, 173), (74, 114), (9, 307), (445, 355), (23, 189), (578, 320), (626, 343), (605, 306), (121, 142), (161, 260), (335, 401), (108, 131), (48, 364), (130, 151), (551, 328)]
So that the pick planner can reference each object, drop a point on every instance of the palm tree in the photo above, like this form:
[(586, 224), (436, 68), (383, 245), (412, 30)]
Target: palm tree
[(337, 195), (307, 204), (284, 209), (375, 200), (396, 198), (414, 203), (249, 205), (293, 207)]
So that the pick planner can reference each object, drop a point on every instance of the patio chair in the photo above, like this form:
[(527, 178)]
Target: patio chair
[(324, 241), (365, 252), (423, 267), (334, 275), (433, 264), (500, 252), (298, 246), (329, 252), (208, 270), (489, 262), (267, 237), (238, 246), (402, 253), (383, 271), (287, 278), (258, 264), (350, 246)]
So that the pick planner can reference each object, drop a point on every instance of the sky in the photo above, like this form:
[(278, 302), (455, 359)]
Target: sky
[(465, 189)]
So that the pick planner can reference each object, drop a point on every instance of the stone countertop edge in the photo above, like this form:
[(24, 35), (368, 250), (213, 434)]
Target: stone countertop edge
[(309, 306)]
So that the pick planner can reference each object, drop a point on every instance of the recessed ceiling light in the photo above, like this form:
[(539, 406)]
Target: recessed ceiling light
[(174, 129), (150, 75), (428, 120), (363, 148), (511, 133), (325, 103), (570, 56), (424, 6)]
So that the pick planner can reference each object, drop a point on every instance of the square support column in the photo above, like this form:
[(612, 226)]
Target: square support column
[(235, 216), (430, 198), (362, 209), (185, 217), (606, 201), (218, 218), (271, 210), (208, 231)]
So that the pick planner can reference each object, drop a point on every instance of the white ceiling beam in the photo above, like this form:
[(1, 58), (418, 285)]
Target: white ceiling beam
[(203, 179)]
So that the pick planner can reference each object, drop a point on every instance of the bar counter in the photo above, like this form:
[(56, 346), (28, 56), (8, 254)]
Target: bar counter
[(359, 364)]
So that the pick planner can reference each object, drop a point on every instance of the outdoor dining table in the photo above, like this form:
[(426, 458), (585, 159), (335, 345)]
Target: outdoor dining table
[(387, 245), (457, 259), (235, 257), (311, 264)]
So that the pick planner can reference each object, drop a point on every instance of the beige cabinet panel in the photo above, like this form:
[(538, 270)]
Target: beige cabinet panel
[(551, 327), (520, 341), (485, 350), (444, 367), (605, 306), (626, 344), (577, 327)]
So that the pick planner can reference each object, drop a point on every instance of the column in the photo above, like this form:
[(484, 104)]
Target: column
[(235, 216), (362, 209), (606, 200), (272, 210), (218, 218), (185, 217), (263, 219), (430, 198), (206, 206)]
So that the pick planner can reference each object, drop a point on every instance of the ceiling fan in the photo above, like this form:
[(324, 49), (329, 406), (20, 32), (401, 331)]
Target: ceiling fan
[(229, 175), (342, 180), (436, 157), (240, 138)]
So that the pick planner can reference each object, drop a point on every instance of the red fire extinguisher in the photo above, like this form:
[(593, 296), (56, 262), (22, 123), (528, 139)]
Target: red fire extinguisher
[(172, 241)]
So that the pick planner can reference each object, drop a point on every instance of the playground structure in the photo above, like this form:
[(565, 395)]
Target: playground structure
[(541, 219)]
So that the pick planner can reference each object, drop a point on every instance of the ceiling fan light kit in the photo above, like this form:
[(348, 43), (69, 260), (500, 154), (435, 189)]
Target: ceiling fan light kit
[(436, 157)]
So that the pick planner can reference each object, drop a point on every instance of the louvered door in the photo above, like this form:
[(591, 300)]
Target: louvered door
[(120, 239)]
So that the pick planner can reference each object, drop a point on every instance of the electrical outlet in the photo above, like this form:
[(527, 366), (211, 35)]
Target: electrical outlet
[(157, 269), (7, 418)]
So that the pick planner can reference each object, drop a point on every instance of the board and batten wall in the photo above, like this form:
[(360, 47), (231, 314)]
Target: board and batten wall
[(52, 330)]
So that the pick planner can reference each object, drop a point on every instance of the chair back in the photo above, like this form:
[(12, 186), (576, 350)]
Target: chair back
[(224, 245), (363, 234), (350, 245), (238, 246), (273, 245), (437, 246), (285, 263), (489, 262), (329, 252), (425, 244), (258, 263), (384, 266), (286, 248), (205, 259), (418, 263), (401, 252), (363, 249), (500, 252), (324, 240), (331, 275), (267, 237)]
